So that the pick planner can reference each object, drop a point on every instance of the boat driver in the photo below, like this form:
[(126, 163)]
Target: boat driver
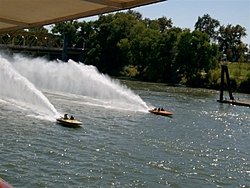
[(65, 116)]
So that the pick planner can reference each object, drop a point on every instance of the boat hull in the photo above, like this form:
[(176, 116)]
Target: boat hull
[(161, 112), (69, 123), (4, 184)]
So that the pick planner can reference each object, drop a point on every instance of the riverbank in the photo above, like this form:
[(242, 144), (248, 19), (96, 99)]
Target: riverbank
[(239, 78)]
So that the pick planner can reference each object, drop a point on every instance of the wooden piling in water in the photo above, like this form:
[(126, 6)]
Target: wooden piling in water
[(224, 70)]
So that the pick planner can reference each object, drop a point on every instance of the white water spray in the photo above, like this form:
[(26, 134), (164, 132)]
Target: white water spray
[(81, 80), (18, 91)]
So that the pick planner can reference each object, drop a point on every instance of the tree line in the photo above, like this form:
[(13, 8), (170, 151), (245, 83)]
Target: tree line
[(125, 44)]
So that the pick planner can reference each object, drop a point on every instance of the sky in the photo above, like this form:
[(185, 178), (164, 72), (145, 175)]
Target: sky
[(185, 13)]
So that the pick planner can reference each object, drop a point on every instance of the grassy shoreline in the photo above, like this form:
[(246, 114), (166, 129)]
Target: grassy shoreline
[(239, 74)]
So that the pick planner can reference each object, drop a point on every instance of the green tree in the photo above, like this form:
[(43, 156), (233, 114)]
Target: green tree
[(68, 28), (39, 29), (110, 31), (230, 43), (161, 24), (137, 15), (208, 25), (195, 54), (143, 53), (166, 51), (164, 23), (85, 30)]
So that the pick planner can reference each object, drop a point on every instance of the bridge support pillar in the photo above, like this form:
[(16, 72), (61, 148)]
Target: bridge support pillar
[(65, 46)]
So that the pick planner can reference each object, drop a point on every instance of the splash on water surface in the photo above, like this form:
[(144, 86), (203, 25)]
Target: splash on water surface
[(80, 79), (17, 92)]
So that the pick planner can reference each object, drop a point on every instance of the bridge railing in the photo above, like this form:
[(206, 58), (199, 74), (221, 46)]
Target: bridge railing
[(27, 39)]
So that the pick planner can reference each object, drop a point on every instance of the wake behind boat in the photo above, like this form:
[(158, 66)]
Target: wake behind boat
[(161, 112), (65, 121)]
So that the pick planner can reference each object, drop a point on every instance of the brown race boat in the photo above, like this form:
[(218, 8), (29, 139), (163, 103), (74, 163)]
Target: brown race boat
[(161, 112)]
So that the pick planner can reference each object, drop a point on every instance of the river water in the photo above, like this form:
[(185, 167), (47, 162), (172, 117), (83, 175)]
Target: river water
[(204, 144)]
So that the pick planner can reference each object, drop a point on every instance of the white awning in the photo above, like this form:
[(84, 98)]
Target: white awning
[(21, 14)]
